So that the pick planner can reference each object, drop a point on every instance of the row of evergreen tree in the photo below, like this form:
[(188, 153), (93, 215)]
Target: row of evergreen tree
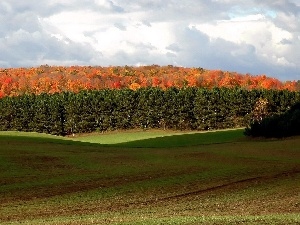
[(104, 110)]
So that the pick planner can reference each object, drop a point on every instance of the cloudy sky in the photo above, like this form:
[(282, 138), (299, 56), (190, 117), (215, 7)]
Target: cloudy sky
[(253, 36)]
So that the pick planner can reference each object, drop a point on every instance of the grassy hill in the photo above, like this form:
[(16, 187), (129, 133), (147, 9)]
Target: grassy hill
[(153, 178)]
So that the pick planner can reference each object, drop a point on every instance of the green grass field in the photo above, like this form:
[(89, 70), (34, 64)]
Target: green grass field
[(149, 177)]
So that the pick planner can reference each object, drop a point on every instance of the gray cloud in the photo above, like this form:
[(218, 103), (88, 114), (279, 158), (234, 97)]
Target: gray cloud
[(174, 47), (33, 49), (120, 26), (286, 6), (286, 42), (198, 49), (147, 23)]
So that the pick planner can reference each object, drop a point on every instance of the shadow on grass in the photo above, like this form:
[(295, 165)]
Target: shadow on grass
[(42, 140)]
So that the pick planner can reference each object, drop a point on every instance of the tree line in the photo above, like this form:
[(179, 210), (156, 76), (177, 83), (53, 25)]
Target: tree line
[(189, 108)]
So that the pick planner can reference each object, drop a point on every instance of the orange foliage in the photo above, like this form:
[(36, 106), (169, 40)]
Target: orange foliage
[(134, 86), (54, 79)]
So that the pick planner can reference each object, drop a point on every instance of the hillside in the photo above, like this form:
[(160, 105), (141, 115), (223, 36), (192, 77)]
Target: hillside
[(53, 79)]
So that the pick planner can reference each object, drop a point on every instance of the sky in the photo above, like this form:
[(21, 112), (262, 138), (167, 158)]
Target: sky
[(253, 36)]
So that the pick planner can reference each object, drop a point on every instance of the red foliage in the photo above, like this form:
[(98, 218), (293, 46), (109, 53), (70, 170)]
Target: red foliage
[(53, 79)]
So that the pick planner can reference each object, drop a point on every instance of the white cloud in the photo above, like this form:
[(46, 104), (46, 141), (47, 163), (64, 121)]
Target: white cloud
[(253, 36), (254, 30)]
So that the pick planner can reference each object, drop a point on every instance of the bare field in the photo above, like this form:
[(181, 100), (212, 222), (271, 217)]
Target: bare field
[(221, 178)]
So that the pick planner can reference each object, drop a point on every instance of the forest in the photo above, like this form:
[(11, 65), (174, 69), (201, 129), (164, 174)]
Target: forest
[(57, 79)]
